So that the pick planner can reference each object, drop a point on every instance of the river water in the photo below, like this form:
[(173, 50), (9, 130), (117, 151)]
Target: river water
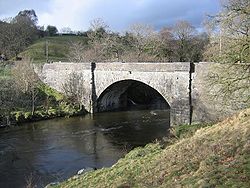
[(53, 150)]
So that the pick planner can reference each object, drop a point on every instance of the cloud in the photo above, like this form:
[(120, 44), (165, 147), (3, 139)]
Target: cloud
[(65, 13), (119, 14)]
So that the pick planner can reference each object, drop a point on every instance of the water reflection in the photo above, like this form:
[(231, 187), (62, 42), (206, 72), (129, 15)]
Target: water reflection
[(54, 150)]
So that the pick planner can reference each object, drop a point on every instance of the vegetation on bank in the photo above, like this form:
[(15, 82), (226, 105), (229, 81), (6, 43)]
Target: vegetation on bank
[(213, 156), (51, 104), (63, 110), (23, 97), (55, 104)]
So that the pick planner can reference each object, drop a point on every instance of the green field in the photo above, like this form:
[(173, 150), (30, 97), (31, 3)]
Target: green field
[(58, 48)]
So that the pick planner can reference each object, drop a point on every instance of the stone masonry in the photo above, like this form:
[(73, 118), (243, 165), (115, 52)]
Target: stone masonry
[(180, 83)]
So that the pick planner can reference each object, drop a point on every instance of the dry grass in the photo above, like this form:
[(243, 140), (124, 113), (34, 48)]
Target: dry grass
[(215, 156)]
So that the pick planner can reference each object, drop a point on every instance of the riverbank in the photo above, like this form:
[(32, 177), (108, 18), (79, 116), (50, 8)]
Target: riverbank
[(217, 155), (19, 117), (46, 103)]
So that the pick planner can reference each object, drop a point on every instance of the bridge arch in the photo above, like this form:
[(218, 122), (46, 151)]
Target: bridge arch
[(130, 94)]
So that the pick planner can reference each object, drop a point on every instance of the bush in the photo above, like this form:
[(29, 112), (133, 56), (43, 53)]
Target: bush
[(27, 115), (53, 112), (68, 108), (40, 114), (19, 116)]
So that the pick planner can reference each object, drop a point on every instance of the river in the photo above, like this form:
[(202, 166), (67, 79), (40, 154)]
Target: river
[(53, 150)]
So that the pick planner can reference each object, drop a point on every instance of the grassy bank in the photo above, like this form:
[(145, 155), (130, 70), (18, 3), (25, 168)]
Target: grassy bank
[(213, 156)]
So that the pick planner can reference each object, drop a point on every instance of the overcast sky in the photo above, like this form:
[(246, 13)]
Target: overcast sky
[(118, 14)]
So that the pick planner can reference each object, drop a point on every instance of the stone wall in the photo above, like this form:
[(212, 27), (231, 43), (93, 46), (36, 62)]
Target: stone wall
[(207, 108), (57, 74)]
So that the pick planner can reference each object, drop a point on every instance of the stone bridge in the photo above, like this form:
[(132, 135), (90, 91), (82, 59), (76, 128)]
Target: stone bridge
[(117, 85)]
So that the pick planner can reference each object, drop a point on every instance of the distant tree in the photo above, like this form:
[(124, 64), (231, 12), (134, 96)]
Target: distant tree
[(182, 43), (145, 42), (140, 43), (97, 43), (76, 52), (28, 16), (169, 44), (66, 30), (199, 44), (98, 26), (115, 47), (184, 33), (41, 31), (16, 35), (51, 30)]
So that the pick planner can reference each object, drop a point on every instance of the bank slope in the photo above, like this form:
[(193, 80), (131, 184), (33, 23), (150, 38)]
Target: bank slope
[(216, 156)]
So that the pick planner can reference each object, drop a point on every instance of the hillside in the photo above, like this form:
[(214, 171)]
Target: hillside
[(215, 156), (58, 48)]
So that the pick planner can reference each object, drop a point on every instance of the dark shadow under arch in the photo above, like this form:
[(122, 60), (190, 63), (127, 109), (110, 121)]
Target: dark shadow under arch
[(130, 95)]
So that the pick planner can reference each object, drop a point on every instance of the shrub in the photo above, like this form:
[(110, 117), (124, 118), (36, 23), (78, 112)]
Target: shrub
[(18, 115), (27, 115)]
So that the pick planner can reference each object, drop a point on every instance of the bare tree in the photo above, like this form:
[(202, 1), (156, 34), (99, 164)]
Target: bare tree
[(66, 30), (184, 32), (96, 48), (97, 36), (230, 45), (77, 52), (74, 89), (27, 15), (145, 42), (26, 80), (140, 43), (98, 24), (230, 33), (8, 99), (103, 45), (169, 44), (18, 33)]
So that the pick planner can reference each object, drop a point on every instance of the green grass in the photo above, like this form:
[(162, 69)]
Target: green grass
[(184, 131), (58, 48), (213, 156), (5, 70)]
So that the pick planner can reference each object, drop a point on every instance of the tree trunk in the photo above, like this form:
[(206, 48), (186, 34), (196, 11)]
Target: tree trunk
[(80, 107), (8, 120), (47, 104), (33, 102)]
